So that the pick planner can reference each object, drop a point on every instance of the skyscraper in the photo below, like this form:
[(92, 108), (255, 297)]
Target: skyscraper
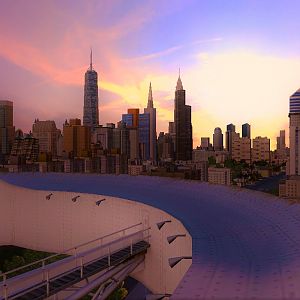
[(281, 140), (90, 109), (47, 135), (246, 130), (134, 120), (77, 138), (230, 135), (183, 124), (7, 129), (294, 115), (152, 114), (218, 139)]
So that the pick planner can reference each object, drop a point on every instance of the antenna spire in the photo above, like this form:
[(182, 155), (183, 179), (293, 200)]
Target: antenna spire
[(91, 59), (150, 97)]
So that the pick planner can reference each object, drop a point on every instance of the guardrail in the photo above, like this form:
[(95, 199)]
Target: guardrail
[(82, 255)]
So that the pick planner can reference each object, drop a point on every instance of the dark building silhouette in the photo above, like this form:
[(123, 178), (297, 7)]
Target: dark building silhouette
[(230, 134), (246, 130), (7, 129), (183, 125), (90, 109)]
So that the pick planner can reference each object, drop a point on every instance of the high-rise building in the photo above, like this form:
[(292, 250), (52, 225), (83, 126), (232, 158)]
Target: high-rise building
[(261, 149), (152, 114), (183, 125), (230, 134), (281, 141), (7, 129), (241, 149), (144, 136), (218, 139), (205, 144), (77, 138), (134, 120), (172, 133), (90, 109), (47, 135), (165, 147), (246, 130), (24, 148), (134, 116), (294, 115)]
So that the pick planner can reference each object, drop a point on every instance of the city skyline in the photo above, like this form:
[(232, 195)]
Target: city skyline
[(43, 76)]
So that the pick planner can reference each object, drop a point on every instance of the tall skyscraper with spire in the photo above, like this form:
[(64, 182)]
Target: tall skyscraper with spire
[(90, 108), (152, 114), (183, 124)]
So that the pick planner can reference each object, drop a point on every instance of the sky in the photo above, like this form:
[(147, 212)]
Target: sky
[(239, 60)]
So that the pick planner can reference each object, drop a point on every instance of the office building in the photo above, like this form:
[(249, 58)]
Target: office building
[(24, 149), (152, 115), (218, 139), (230, 134), (219, 176), (246, 131), (260, 149), (77, 138), (205, 143), (241, 149), (144, 136), (90, 109), (134, 120), (165, 146), (47, 135), (7, 129), (183, 125), (294, 115), (281, 141)]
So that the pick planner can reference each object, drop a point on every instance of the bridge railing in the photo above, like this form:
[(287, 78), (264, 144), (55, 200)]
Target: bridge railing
[(81, 255)]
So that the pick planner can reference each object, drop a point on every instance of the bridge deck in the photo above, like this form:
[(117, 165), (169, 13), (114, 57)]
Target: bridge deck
[(246, 244)]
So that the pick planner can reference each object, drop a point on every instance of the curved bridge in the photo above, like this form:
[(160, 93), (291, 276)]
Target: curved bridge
[(246, 244)]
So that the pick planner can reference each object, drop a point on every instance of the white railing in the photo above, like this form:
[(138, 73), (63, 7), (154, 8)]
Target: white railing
[(82, 255)]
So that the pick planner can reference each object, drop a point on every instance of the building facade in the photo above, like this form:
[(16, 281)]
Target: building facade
[(219, 176), (218, 139), (241, 149), (246, 130), (7, 129), (77, 138), (261, 149), (90, 109), (183, 125), (230, 134), (294, 115), (47, 135)]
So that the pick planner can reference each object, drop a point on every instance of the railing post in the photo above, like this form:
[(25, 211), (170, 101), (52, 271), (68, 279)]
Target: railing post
[(81, 267), (43, 267), (48, 285), (131, 251), (108, 256), (5, 291)]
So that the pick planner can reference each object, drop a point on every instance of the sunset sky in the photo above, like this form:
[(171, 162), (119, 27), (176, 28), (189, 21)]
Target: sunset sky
[(239, 60)]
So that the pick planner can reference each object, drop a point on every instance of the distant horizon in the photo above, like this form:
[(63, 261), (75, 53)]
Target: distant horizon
[(236, 67)]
